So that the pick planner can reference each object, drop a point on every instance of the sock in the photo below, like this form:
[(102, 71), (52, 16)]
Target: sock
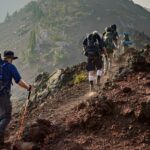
[(99, 73)]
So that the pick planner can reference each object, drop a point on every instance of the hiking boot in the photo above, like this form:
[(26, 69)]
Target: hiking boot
[(1, 138), (91, 86)]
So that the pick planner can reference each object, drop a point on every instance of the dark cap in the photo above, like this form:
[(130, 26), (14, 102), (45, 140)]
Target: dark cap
[(9, 54)]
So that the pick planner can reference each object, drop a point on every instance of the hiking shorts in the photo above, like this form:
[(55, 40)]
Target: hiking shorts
[(94, 63)]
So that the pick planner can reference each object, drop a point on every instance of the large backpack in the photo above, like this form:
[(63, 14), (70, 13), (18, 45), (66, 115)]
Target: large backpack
[(115, 35), (108, 40), (91, 47), (3, 85)]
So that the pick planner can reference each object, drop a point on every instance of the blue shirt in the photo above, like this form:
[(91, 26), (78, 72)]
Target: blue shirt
[(10, 72)]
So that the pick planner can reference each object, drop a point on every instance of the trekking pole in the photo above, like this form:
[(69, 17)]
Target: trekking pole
[(23, 116)]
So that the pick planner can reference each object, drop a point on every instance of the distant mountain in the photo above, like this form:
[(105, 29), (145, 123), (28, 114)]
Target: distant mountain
[(49, 33)]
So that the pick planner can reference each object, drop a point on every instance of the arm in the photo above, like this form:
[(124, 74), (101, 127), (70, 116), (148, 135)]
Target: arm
[(16, 76), (24, 85)]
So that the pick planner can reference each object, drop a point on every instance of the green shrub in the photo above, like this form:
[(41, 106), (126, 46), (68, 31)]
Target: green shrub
[(80, 77)]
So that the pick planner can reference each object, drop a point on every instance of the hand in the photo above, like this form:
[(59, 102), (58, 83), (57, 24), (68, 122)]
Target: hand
[(30, 88)]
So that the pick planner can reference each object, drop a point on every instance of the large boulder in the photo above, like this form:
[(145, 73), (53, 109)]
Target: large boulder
[(143, 113), (140, 60), (37, 131)]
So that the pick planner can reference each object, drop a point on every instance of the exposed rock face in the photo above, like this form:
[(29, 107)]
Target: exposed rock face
[(50, 83)]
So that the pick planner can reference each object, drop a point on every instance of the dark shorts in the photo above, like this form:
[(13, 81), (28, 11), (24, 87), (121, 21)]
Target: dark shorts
[(94, 63)]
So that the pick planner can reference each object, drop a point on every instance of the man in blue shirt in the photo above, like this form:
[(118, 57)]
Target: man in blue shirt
[(8, 72)]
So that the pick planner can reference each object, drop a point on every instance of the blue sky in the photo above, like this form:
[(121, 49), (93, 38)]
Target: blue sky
[(12, 5)]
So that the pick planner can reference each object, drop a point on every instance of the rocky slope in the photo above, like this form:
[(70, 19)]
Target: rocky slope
[(66, 116)]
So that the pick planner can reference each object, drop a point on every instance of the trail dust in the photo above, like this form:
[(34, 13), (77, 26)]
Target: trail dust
[(86, 95), (65, 109)]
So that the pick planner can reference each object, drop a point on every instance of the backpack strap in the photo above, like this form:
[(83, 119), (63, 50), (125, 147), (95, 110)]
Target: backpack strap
[(1, 73), (1, 70)]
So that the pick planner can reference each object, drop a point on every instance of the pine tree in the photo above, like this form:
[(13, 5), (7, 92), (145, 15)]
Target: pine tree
[(32, 41)]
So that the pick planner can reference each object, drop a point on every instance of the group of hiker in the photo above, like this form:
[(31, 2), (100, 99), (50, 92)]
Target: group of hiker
[(96, 46)]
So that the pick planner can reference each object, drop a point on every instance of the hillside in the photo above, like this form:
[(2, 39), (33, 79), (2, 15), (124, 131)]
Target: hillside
[(64, 115), (49, 34)]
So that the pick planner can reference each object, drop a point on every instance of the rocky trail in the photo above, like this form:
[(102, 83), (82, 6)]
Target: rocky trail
[(66, 116)]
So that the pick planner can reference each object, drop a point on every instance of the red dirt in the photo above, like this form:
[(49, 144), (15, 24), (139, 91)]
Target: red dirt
[(108, 119)]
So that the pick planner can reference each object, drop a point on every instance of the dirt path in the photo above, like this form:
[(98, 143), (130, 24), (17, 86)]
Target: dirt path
[(65, 100)]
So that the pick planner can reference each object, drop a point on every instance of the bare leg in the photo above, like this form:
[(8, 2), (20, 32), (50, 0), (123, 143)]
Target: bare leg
[(99, 74), (91, 80)]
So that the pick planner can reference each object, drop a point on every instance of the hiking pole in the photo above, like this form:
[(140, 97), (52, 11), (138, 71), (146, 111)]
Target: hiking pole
[(23, 116)]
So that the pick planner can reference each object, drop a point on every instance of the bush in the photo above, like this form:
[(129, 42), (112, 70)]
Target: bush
[(80, 77)]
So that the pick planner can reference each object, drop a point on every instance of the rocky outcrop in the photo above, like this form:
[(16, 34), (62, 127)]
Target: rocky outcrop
[(143, 113), (47, 84), (140, 61)]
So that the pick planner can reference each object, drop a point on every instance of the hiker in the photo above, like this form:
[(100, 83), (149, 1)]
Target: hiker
[(109, 44), (93, 49), (115, 35), (8, 72), (126, 42)]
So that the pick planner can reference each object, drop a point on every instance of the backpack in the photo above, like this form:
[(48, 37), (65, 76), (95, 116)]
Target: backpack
[(91, 47), (115, 35), (126, 40), (108, 40), (3, 85)]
